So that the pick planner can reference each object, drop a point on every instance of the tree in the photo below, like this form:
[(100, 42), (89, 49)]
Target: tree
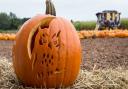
[(24, 20), (15, 22), (10, 21), (4, 21), (12, 15)]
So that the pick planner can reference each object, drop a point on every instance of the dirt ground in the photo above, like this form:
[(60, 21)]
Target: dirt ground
[(103, 53), (6, 49)]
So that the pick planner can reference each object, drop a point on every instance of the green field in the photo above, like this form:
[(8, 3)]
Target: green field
[(8, 31), (90, 25), (124, 23)]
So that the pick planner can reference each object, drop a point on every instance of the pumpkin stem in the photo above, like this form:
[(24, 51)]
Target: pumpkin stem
[(50, 9)]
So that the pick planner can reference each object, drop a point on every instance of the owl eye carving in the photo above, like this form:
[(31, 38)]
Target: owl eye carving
[(56, 39), (58, 34), (44, 36), (42, 40), (50, 45)]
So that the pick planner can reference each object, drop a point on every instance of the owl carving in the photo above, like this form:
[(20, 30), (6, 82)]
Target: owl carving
[(45, 55)]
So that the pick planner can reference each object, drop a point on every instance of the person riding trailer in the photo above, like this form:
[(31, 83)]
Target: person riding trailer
[(111, 23)]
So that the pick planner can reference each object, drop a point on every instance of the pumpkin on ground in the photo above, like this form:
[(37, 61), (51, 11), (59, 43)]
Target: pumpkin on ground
[(47, 52)]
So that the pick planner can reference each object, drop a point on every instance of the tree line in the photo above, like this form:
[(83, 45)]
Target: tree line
[(10, 21)]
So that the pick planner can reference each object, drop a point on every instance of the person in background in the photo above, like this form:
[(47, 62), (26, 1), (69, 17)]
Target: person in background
[(111, 23)]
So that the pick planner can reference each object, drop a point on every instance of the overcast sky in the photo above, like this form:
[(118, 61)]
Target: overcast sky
[(70, 9)]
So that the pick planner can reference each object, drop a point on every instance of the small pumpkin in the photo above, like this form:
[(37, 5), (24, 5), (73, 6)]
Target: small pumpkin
[(47, 52)]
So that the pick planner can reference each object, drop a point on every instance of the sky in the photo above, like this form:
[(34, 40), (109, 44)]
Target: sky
[(70, 9)]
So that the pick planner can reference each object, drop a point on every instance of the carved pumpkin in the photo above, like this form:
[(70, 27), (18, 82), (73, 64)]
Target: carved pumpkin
[(47, 52)]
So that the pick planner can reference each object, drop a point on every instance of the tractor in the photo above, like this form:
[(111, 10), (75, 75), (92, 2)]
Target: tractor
[(108, 19)]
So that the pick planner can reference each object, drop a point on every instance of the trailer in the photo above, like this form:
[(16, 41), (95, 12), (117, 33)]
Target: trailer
[(108, 19)]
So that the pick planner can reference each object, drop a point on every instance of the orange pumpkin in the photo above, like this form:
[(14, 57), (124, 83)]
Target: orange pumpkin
[(47, 52)]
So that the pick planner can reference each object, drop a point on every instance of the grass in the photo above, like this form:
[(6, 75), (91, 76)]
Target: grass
[(124, 23), (89, 25), (93, 79), (8, 31)]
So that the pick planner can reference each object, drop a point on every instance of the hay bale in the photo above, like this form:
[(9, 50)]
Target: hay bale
[(95, 79)]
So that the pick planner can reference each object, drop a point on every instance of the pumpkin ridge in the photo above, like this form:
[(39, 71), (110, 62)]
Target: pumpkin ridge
[(70, 74), (75, 62), (66, 58)]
